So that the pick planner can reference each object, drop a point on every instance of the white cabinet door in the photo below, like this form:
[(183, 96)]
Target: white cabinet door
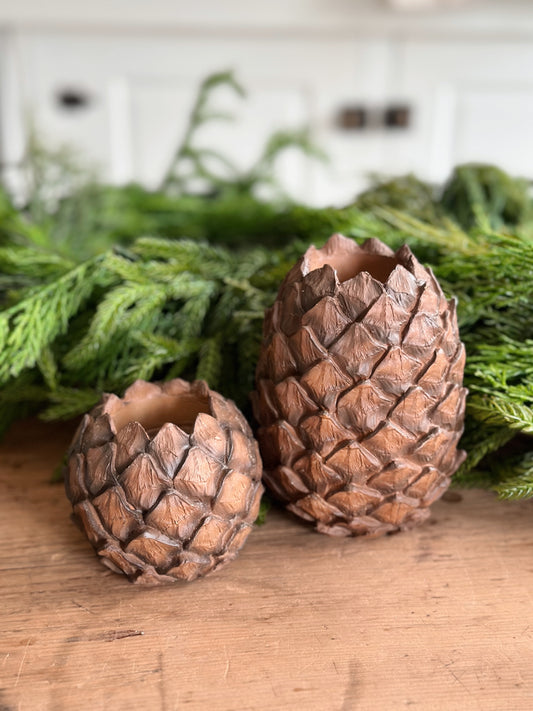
[(139, 90), (472, 101)]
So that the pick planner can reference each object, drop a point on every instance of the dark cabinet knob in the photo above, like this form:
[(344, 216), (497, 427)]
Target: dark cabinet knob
[(397, 116), (352, 118), (357, 117), (72, 99)]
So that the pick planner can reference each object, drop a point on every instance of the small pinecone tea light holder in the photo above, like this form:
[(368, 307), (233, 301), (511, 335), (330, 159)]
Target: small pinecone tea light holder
[(166, 481), (359, 389)]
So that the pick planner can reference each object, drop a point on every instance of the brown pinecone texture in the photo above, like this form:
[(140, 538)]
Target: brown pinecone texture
[(359, 389), (165, 482)]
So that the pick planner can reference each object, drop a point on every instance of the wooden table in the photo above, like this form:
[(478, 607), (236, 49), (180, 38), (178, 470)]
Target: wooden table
[(437, 618)]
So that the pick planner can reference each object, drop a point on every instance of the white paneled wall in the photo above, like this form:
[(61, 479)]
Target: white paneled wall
[(470, 94)]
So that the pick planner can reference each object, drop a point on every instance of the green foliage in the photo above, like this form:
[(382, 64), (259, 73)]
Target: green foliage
[(168, 307), (264, 508), (31, 324), (101, 285), (203, 195), (193, 165), (406, 193), (516, 476), (484, 193), (164, 308)]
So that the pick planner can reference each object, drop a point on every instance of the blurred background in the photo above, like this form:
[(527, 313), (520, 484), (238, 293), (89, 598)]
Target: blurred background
[(383, 86)]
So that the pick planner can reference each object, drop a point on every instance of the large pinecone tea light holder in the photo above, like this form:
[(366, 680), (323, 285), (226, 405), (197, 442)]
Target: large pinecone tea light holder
[(166, 481), (359, 389)]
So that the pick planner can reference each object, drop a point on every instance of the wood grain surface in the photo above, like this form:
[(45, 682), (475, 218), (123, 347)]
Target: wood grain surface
[(436, 618)]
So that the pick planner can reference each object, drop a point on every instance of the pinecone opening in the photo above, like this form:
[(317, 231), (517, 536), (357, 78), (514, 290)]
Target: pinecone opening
[(348, 259), (359, 389), (153, 407), (165, 482)]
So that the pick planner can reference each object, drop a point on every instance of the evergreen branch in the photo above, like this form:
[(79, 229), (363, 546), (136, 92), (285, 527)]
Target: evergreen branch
[(452, 237), (48, 367), (27, 327), (521, 487), (69, 402), (123, 308), (191, 317), (186, 254), (22, 260), (210, 362), (158, 351), (515, 475), (278, 143), (493, 411), (199, 115), (201, 154), (474, 479), (480, 443)]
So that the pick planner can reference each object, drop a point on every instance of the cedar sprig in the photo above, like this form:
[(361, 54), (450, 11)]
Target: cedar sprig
[(32, 323), (516, 476), (165, 308)]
